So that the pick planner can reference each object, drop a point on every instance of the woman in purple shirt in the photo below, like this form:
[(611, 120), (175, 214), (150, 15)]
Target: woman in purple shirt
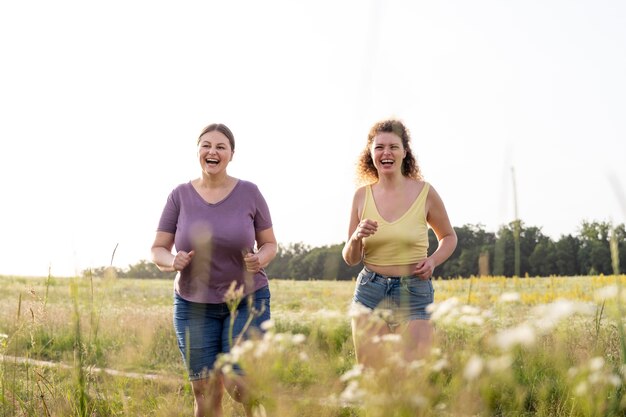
[(222, 231)]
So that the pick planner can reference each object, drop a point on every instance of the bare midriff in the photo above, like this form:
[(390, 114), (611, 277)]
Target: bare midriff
[(393, 270)]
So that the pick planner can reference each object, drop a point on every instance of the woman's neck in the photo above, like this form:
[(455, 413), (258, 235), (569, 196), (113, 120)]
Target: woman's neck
[(391, 181), (220, 180)]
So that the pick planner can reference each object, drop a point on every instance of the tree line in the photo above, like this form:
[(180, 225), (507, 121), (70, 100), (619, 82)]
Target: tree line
[(515, 249)]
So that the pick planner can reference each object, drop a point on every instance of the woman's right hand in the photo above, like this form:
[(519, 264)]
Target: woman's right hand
[(182, 259), (365, 228)]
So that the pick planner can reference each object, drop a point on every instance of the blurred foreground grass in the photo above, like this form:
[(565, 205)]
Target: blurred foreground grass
[(519, 346)]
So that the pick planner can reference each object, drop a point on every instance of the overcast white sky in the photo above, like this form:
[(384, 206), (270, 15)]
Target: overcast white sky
[(101, 104)]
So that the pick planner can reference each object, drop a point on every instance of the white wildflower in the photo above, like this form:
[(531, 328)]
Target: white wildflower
[(297, 339), (391, 337), (510, 297), (581, 389), (353, 394), (551, 314), (595, 378), (472, 320), (614, 380), (355, 372), (416, 364), (419, 401), (267, 325), (473, 368), (236, 353), (262, 348), (441, 310), (303, 356), (606, 293), (325, 314), (521, 335), (596, 363), (501, 363), (396, 359), (440, 365), (470, 310), (358, 310)]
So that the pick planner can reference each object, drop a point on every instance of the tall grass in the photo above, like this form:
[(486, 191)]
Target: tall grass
[(508, 347)]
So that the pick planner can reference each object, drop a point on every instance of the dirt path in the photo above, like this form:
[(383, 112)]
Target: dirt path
[(90, 369)]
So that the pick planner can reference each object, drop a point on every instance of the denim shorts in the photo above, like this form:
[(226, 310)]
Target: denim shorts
[(399, 299), (202, 330)]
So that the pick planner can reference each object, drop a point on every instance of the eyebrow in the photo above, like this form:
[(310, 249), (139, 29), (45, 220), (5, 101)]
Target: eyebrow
[(210, 142)]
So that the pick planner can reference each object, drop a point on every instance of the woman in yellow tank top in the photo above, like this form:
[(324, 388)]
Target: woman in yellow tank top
[(388, 232)]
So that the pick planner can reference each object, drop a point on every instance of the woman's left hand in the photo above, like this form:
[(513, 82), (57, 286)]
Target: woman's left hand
[(425, 269), (252, 261)]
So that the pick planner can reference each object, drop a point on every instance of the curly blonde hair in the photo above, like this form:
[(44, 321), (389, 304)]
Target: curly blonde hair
[(366, 172)]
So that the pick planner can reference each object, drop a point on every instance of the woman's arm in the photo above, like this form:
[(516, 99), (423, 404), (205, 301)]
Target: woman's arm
[(162, 251), (267, 247), (437, 218), (163, 257), (352, 251)]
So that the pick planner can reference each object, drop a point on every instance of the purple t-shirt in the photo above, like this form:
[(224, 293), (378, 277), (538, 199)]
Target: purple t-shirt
[(220, 234)]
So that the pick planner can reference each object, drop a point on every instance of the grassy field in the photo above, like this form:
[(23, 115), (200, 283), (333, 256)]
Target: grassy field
[(505, 347)]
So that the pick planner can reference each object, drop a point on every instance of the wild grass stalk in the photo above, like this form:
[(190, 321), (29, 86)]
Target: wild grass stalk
[(80, 396)]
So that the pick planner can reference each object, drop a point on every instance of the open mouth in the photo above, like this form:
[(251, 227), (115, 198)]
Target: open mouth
[(386, 162), (211, 161)]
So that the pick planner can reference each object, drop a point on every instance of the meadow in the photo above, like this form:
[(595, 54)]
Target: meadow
[(504, 347)]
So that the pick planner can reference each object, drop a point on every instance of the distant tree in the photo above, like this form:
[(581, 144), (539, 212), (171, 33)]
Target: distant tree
[(504, 251), (504, 255), (472, 242), (287, 263), (594, 253), (542, 260), (566, 254), (146, 269)]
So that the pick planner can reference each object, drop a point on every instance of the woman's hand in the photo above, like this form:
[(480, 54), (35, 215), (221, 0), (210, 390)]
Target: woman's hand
[(182, 259), (252, 261), (425, 268), (365, 228)]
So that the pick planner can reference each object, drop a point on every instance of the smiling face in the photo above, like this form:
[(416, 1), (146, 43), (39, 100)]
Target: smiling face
[(214, 152), (387, 153)]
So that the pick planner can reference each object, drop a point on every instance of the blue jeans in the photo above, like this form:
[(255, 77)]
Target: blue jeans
[(202, 330), (404, 298)]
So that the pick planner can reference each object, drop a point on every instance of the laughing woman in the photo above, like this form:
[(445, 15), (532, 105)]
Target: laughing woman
[(388, 232), (222, 232)]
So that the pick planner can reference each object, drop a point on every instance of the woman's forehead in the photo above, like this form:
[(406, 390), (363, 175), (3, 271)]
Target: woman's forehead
[(214, 136), (386, 138)]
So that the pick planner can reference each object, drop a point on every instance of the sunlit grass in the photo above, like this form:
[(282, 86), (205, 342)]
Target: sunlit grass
[(504, 346)]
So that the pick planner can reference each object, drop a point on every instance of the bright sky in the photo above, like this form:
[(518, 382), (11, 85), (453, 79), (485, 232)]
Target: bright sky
[(101, 104)]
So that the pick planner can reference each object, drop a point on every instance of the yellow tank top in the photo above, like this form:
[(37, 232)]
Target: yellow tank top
[(401, 242)]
